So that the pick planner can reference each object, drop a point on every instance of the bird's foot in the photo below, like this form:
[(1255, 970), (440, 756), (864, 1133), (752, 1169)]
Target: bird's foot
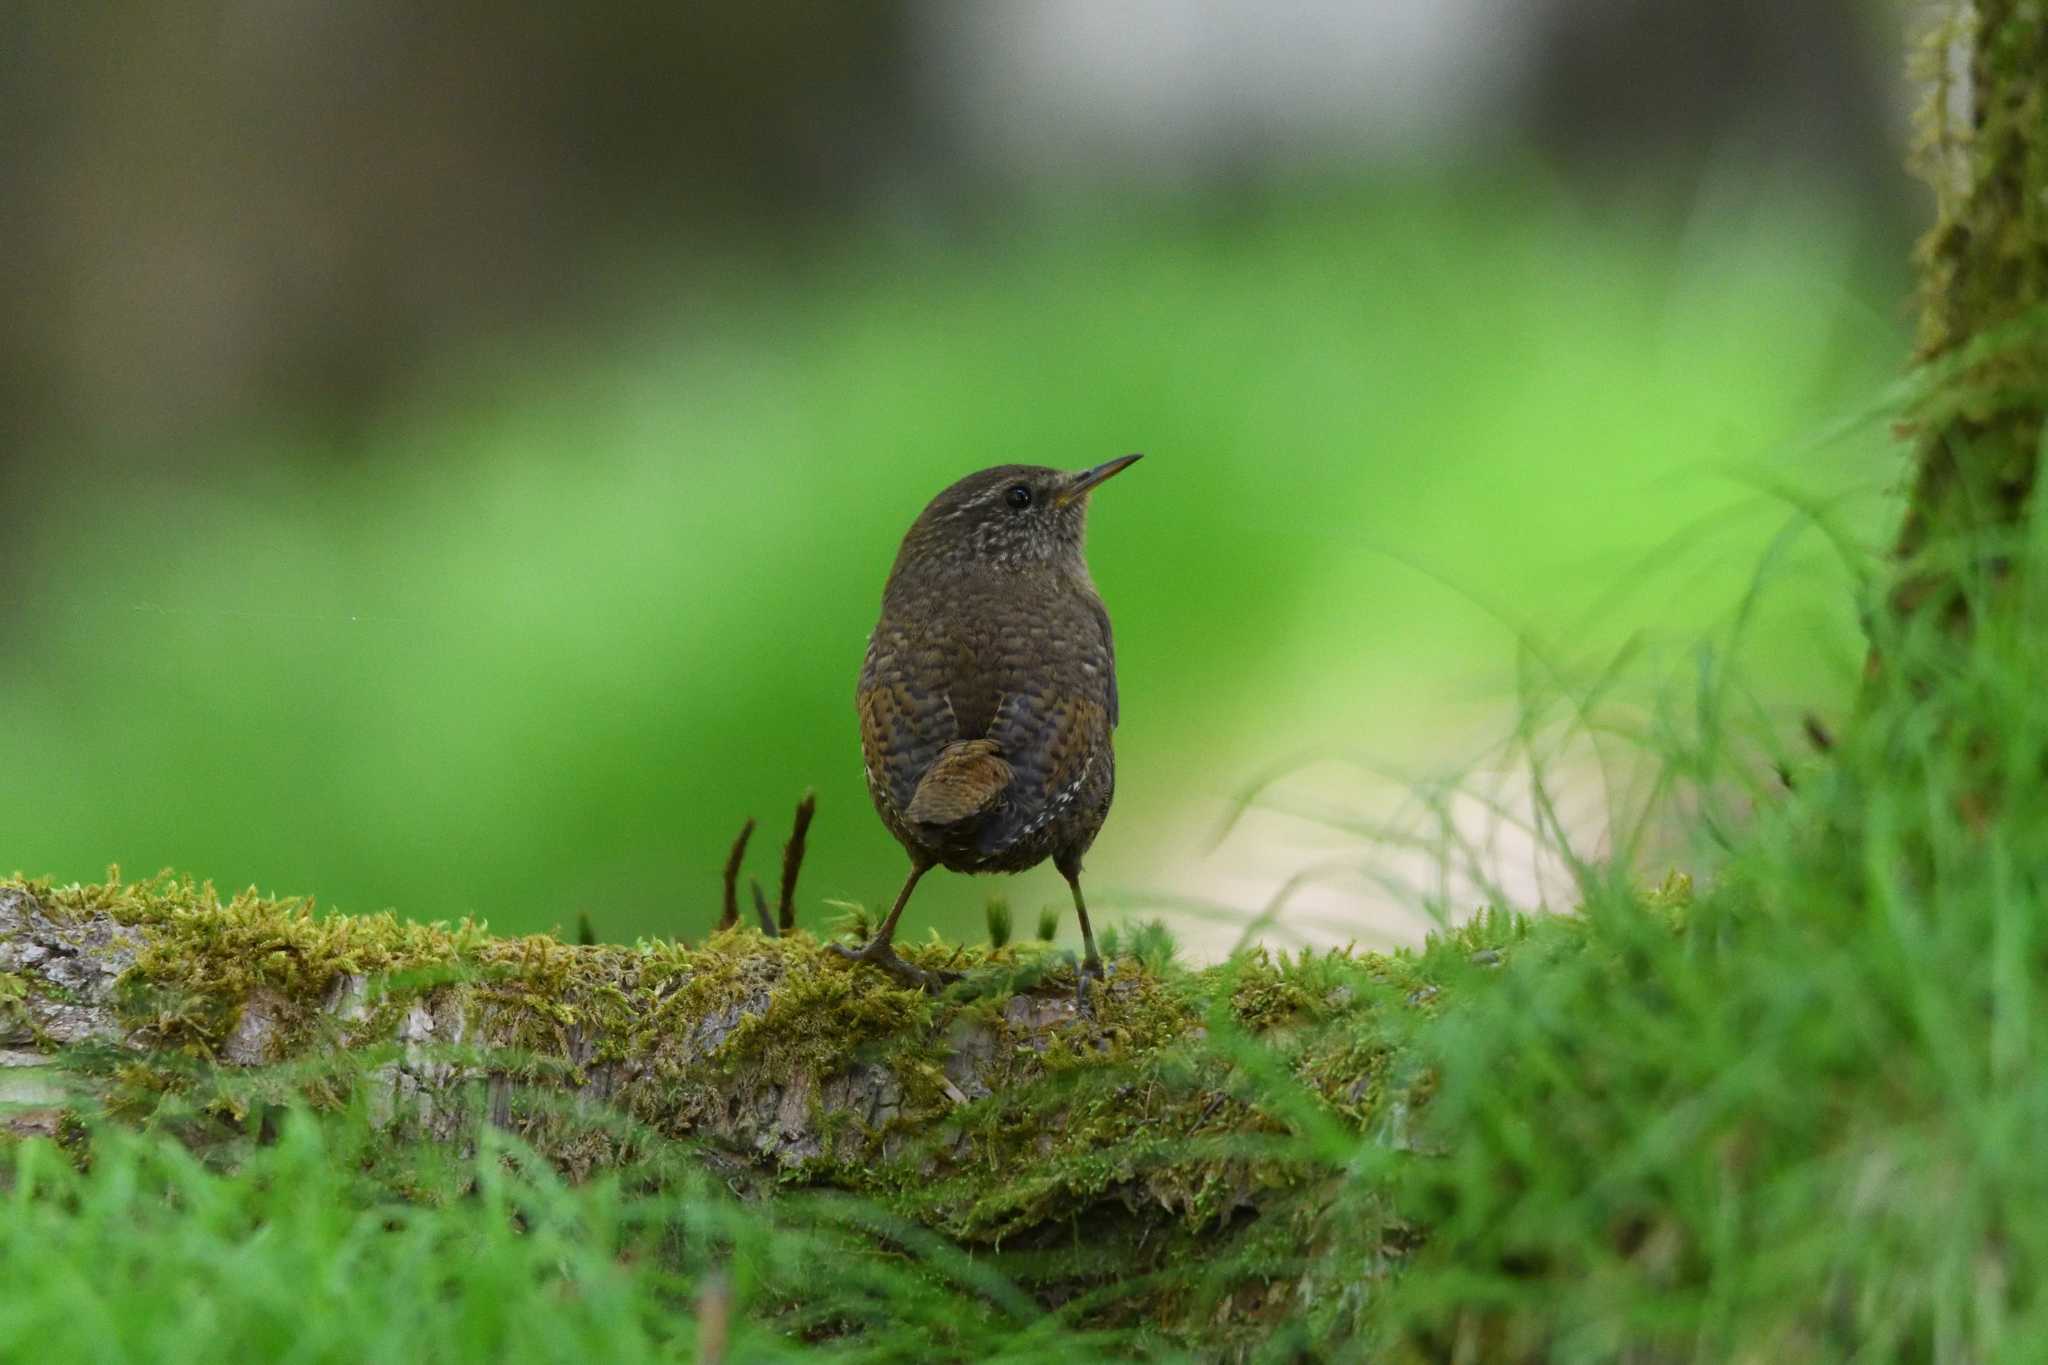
[(1090, 967), (883, 956)]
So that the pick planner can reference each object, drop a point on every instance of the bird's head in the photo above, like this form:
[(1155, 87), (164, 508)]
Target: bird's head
[(1011, 516)]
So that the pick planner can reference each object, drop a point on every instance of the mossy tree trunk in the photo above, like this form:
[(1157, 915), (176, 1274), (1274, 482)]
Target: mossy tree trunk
[(1983, 335)]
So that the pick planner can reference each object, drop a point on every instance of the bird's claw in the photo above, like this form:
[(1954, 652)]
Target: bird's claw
[(883, 956), (1091, 967)]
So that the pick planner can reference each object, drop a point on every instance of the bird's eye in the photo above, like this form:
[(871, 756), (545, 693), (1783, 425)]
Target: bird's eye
[(1020, 497)]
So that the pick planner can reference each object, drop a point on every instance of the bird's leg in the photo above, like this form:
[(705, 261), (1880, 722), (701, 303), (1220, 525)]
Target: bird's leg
[(1091, 961), (886, 935), (877, 950)]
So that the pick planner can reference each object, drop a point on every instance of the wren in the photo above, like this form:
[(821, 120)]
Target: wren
[(989, 692)]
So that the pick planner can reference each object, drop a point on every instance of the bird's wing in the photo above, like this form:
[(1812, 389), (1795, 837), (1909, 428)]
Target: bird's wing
[(1050, 743), (1101, 614), (907, 713), (1055, 730), (901, 735)]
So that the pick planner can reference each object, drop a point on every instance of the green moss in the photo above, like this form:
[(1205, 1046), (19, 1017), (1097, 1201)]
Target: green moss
[(14, 993)]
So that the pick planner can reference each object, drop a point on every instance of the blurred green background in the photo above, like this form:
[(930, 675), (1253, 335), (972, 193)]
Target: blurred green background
[(461, 505)]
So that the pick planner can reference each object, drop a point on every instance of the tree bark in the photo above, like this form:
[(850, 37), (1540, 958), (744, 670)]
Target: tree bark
[(1983, 337)]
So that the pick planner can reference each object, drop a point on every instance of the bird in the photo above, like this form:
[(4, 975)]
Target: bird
[(988, 695)]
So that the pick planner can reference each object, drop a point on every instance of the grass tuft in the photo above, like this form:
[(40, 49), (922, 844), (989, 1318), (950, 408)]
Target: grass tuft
[(999, 926)]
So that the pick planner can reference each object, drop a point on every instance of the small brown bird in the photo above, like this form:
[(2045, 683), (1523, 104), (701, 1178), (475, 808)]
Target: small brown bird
[(989, 692)]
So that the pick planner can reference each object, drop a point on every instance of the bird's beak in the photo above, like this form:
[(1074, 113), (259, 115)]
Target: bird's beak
[(1082, 484)]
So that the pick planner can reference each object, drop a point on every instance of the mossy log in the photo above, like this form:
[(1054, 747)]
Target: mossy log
[(1194, 1111)]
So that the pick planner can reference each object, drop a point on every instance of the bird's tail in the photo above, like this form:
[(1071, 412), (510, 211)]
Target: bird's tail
[(965, 782)]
